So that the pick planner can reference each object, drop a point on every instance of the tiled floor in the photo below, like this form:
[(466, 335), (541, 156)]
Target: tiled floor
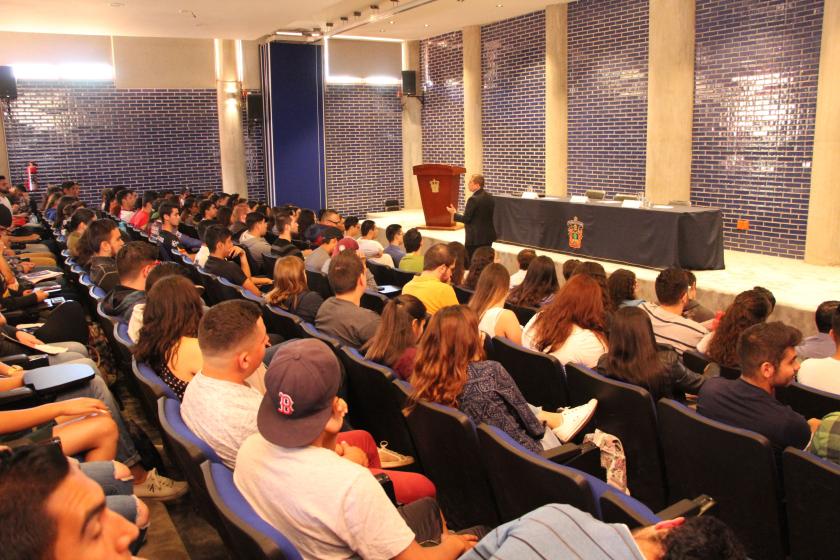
[(798, 287)]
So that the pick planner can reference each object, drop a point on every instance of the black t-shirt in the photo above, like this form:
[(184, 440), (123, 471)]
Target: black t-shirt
[(742, 405), (228, 270), (283, 248)]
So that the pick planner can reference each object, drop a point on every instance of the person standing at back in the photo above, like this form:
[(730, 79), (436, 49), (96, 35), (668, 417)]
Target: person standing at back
[(477, 216)]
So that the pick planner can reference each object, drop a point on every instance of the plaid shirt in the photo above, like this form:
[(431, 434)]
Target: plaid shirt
[(826, 440)]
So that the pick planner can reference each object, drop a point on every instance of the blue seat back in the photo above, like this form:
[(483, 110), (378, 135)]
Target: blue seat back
[(279, 321), (540, 377), (808, 401), (178, 429), (153, 382)]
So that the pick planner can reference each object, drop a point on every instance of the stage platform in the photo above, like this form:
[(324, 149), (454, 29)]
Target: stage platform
[(799, 287)]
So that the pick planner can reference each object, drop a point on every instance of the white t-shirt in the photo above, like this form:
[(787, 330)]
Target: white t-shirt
[(202, 255), (135, 323), (517, 277), (329, 507), (821, 373), (489, 320), (126, 215), (221, 413), (370, 247), (582, 346)]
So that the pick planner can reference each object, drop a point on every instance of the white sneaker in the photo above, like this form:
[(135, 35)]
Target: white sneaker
[(390, 459), (574, 419), (157, 487)]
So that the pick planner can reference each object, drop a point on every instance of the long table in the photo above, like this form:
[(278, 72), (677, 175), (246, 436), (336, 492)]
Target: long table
[(687, 236)]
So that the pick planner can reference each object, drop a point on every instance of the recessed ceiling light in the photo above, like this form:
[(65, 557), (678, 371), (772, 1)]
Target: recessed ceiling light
[(426, 25), (391, 22), (500, 5)]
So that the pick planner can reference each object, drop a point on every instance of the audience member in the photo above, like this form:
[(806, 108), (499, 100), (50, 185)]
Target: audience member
[(170, 218), (450, 369), (523, 259), (635, 357), (477, 216), (622, 286), (748, 309), (539, 286), (168, 340), (253, 238), (220, 244), (134, 263), (338, 508), (368, 245), (239, 221), (820, 345), (126, 200), (142, 217), (207, 212), (322, 254), (479, 259), (412, 261), (291, 292), (488, 302), (596, 271), (341, 316), (694, 310), (77, 225), (135, 322), (305, 219), (459, 252), (824, 373), (351, 227), (767, 356), (98, 246), (569, 267), (394, 236), (431, 285), (825, 442), (286, 227), (572, 327), (327, 219), (669, 326), (768, 294), (395, 342)]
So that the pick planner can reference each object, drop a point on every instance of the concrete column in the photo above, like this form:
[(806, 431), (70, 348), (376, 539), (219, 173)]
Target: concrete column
[(822, 244), (556, 99), (473, 145), (412, 128), (229, 101), (4, 149), (670, 100)]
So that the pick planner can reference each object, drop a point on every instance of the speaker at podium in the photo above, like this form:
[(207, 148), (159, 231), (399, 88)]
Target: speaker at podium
[(439, 187)]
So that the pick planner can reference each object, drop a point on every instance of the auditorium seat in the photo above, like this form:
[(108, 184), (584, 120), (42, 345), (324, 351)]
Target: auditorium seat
[(217, 289), (310, 331), (374, 301), (626, 411), (540, 377), (695, 361), (245, 533), (808, 401), (188, 230), (523, 314), (281, 322), (447, 446), (463, 294), (381, 273), (737, 468), (318, 282), (269, 261), (400, 278), (812, 490), (151, 388)]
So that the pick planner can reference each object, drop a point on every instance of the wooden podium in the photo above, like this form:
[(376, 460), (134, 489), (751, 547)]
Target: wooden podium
[(439, 187)]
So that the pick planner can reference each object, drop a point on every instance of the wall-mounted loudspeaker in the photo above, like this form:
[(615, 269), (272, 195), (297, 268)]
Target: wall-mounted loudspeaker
[(8, 85), (409, 83), (254, 106)]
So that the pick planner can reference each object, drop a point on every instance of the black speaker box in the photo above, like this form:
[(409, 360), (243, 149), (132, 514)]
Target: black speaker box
[(8, 85), (409, 83), (254, 106)]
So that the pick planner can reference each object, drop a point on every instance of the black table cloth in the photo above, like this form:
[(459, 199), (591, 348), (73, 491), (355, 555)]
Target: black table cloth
[(687, 236)]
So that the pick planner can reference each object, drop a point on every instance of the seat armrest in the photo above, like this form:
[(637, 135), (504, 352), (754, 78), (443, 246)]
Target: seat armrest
[(388, 485), (589, 461), (13, 398), (563, 454), (26, 362), (688, 508)]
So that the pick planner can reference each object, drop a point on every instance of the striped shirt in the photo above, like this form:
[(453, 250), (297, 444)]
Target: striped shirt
[(557, 531), (681, 333)]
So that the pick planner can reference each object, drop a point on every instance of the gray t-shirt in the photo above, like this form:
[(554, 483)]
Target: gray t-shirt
[(256, 247), (346, 321)]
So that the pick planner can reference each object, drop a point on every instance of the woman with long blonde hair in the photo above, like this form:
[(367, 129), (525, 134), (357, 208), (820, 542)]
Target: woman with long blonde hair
[(488, 302), (291, 292)]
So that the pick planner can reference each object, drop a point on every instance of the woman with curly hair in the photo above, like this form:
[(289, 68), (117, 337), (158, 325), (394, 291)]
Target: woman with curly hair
[(291, 292), (749, 308), (621, 286), (539, 286)]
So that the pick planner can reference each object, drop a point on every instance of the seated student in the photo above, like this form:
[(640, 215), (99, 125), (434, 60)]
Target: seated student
[(748, 309), (450, 369), (352, 229), (768, 360), (539, 286), (253, 237), (126, 200), (341, 315), (238, 225), (481, 257), (221, 247), (327, 219), (412, 261), (394, 236), (329, 241), (170, 218), (207, 212), (431, 286), (134, 262), (189, 210), (350, 244), (596, 271), (523, 259), (286, 227), (98, 246), (824, 373), (825, 443), (143, 217), (291, 292), (572, 327), (622, 287), (820, 345), (488, 302), (370, 247), (634, 357), (395, 342), (569, 267), (135, 321), (168, 340), (694, 310), (669, 326), (79, 222), (338, 509), (220, 405), (563, 531)]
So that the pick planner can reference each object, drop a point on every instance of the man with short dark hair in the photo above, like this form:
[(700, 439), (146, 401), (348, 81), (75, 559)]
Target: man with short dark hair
[(105, 239), (206, 216), (142, 217), (822, 344), (342, 316), (368, 245), (283, 247), (170, 218), (319, 257), (126, 200), (351, 227), (70, 188), (327, 218), (394, 236), (669, 326), (412, 261), (134, 262), (223, 259), (523, 258), (253, 238), (695, 310), (477, 217), (767, 356), (431, 286), (824, 373)]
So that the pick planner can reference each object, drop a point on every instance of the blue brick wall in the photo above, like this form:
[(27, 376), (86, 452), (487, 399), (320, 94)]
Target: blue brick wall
[(608, 62), (363, 126), (109, 138), (756, 71), (513, 103)]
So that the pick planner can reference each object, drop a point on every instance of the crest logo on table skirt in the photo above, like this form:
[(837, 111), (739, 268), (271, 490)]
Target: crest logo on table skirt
[(434, 184), (575, 233)]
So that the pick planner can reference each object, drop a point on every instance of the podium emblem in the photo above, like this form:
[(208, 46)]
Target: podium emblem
[(575, 228), (434, 184)]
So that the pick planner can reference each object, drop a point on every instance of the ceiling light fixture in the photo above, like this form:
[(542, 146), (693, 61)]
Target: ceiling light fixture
[(117, 4)]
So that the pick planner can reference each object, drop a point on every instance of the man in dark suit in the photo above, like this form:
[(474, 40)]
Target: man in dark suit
[(477, 217)]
